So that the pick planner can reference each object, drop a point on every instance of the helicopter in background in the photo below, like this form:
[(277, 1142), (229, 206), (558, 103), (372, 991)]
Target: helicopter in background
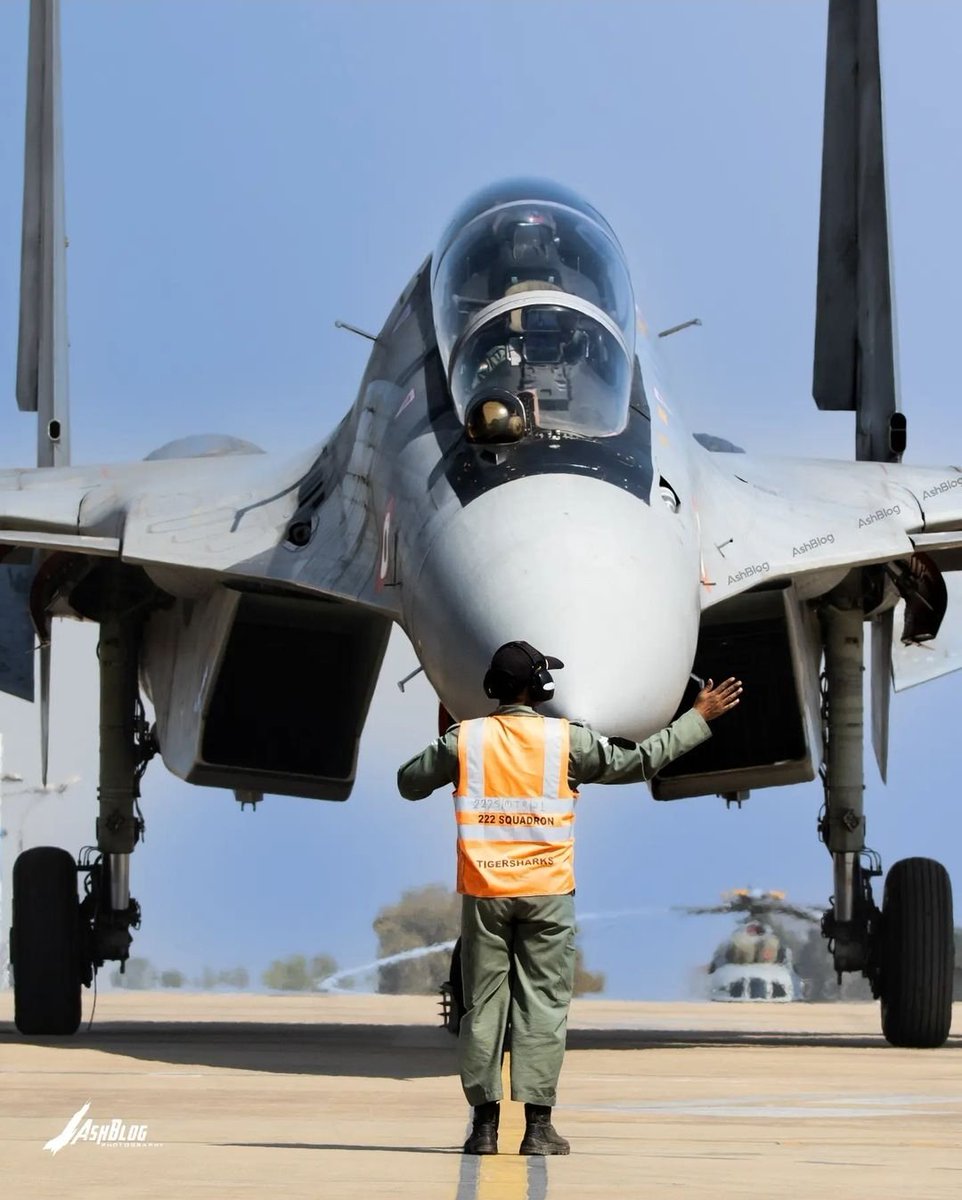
[(755, 963)]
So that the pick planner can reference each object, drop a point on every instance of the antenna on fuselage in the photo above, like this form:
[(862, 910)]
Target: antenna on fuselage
[(407, 678), (354, 329), (679, 328)]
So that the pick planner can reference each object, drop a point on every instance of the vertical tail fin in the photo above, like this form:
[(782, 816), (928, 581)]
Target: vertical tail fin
[(42, 348), (855, 362)]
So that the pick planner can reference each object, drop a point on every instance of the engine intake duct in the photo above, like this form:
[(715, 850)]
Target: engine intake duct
[(772, 737)]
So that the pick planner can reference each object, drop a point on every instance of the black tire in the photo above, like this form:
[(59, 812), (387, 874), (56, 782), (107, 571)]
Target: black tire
[(457, 989), (46, 943), (917, 954)]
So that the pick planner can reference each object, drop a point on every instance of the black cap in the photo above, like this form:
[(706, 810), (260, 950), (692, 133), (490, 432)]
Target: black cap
[(513, 666)]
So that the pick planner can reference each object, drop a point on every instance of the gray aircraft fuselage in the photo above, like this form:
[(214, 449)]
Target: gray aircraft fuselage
[(571, 542)]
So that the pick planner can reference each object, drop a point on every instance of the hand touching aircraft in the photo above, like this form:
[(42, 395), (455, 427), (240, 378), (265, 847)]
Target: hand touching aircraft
[(513, 465)]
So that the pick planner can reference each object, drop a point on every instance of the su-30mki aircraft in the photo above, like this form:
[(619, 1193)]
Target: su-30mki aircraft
[(513, 466)]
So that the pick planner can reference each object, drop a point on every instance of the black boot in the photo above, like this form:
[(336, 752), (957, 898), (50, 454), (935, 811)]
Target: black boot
[(484, 1132), (540, 1136)]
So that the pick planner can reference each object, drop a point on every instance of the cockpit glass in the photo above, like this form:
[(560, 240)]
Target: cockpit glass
[(569, 371), (533, 296)]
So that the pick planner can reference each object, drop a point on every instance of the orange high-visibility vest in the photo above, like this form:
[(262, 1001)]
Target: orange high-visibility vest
[(514, 808)]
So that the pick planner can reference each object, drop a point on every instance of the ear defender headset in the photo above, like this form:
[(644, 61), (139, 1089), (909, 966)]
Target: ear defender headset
[(540, 683)]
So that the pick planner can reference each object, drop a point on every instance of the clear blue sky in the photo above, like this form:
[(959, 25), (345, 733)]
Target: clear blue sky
[(241, 175)]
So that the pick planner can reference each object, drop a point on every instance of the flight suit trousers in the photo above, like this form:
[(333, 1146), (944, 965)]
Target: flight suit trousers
[(517, 959)]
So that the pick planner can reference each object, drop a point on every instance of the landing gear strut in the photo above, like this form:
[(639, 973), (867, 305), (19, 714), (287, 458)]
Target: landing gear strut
[(906, 948), (124, 753), (57, 941)]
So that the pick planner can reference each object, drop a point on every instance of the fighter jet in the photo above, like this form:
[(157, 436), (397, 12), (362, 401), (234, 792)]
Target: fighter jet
[(514, 465)]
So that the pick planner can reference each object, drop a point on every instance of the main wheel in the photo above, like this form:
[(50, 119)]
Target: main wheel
[(46, 946), (917, 954)]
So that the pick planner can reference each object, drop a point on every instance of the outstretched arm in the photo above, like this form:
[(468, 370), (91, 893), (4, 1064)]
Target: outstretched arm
[(597, 759), (431, 769)]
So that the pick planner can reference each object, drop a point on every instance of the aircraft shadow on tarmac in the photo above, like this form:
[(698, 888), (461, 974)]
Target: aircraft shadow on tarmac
[(343, 1146), (375, 1051), (380, 1051), (702, 1039)]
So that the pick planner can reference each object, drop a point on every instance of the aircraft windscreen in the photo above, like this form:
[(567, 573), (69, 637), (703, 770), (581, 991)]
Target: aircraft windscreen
[(533, 297)]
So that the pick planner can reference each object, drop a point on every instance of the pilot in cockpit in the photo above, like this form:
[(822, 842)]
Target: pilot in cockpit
[(528, 252), (533, 301), (535, 346)]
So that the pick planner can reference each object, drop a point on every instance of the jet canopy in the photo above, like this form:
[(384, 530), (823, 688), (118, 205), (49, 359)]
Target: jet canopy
[(532, 298)]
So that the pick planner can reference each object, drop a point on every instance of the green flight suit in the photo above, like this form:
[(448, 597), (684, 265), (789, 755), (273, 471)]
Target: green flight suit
[(518, 953)]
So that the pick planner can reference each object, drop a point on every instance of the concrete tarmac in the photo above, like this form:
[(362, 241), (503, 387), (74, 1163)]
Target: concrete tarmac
[(206, 1095)]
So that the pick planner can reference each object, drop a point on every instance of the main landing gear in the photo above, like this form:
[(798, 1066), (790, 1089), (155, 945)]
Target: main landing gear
[(452, 994), (906, 948), (57, 940)]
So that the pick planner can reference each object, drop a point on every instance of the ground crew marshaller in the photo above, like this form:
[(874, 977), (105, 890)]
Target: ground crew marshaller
[(515, 777)]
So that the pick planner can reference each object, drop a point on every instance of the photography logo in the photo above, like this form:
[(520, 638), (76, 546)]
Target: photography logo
[(112, 1133)]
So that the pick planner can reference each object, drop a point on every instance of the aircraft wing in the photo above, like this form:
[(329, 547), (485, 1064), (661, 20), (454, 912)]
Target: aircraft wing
[(226, 518), (813, 520), (766, 518)]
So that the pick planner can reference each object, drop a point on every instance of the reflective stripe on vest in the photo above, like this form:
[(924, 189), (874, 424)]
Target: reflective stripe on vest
[(513, 806)]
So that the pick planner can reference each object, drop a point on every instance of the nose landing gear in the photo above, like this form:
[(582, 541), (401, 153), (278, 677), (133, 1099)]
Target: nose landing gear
[(452, 994)]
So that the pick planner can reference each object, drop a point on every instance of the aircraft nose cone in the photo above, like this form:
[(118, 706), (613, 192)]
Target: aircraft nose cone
[(583, 571)]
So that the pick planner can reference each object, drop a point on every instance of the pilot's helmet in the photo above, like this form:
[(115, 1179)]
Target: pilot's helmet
[(526, 248)]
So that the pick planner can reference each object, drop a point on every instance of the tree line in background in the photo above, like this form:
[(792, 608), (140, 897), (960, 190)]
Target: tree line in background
[(140, 974), (429, 916), (423, 917), (294, 974)]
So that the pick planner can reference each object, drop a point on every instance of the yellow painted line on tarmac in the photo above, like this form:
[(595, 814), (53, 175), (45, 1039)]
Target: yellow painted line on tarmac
[(504, 1176)]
